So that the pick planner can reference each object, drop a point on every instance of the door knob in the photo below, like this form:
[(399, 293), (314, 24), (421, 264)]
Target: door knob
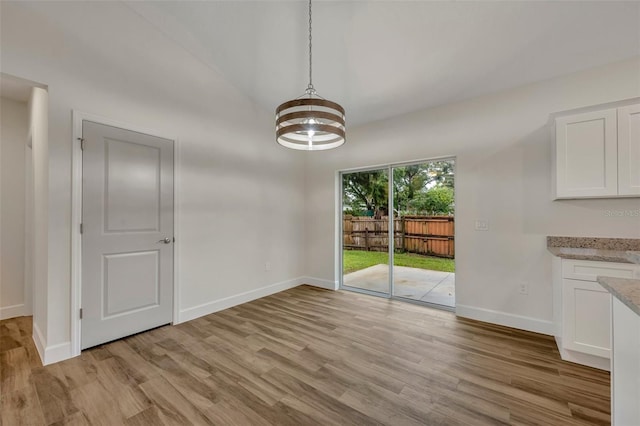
[(166, 240)]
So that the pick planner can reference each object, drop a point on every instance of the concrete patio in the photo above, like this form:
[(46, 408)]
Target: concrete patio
[(412, 283)]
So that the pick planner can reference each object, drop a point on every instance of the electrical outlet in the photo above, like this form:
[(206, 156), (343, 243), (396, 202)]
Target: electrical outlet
[(482, 225), (267, 266), (523, 288)]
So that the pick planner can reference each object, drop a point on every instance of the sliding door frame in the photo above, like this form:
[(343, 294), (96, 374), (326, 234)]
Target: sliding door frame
[(340, 241), (391, 232)]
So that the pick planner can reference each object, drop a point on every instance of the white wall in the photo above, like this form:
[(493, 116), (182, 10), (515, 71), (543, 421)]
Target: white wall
[(241, 196), (13, 141), (39, 137), (503, 174), (243, 200), (28, 230)]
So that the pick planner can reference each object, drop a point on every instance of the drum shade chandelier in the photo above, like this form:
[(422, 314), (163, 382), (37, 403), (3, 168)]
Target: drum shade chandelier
[(310, 122)]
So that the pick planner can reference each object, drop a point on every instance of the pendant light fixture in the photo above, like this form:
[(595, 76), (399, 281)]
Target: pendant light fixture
[(310, 122)]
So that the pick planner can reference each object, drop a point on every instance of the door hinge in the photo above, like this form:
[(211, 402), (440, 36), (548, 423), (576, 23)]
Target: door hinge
[(80, 313), (81, 228), (81, 143)]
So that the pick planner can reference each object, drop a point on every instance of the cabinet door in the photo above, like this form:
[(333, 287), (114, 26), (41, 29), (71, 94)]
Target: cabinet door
[(629, 150), (587, 155), (625, 373), (586, 317)]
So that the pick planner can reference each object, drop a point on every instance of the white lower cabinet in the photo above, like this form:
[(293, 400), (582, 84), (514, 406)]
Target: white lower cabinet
[(625, 366), (583, 313), (587, 317)]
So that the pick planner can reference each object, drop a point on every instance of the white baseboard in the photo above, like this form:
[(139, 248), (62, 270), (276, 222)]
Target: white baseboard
[(238, 299), (39, 341), (318, 282), (50, 354), (506, 319), (585, 359), (57, 353), (558, 341), (12, 311)]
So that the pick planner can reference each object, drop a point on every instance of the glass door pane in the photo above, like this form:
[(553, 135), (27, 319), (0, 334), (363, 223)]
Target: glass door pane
[(365, 231), (424, 249)]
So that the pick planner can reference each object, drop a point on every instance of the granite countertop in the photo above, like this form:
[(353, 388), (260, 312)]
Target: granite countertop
[(624, 250), (624, 289), (633, 256)]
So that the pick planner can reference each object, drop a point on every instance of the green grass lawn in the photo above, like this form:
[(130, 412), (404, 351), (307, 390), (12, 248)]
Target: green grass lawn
[(354, 260)]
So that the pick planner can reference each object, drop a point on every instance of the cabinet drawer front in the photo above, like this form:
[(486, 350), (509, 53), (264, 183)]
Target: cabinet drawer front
[(586, 317), (588, 271)]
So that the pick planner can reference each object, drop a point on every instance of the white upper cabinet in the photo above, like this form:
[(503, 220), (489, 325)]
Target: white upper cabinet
[(629, 150), (597, 153), (587, 155)]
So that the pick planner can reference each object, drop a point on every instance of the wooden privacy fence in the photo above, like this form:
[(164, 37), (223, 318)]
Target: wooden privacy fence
[(428, 235)]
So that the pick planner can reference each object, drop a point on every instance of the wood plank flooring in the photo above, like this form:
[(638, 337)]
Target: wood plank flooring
[(305, 357)]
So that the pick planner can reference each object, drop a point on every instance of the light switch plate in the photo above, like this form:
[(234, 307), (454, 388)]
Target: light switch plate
[(482, 225)]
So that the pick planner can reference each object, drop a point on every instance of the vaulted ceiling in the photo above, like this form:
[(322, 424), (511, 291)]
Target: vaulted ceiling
[(378, 58), (385, 58)]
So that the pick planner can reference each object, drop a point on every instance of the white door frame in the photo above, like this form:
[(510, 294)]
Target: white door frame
[(76, 216), (338, 271)]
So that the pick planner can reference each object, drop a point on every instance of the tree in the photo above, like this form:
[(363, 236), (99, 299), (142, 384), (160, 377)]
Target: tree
[(368, 191), (410, 181), (365, 190), (437, 200), (441, 173), (407, 181)]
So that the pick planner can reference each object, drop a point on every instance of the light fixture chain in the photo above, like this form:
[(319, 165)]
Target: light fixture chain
[(310, 122), (310, 87)]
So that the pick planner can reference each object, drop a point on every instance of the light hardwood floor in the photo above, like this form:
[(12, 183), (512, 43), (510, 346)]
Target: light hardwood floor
[(303, 357)]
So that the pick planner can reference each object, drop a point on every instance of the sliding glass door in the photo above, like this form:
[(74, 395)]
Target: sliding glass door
[(423, 261), (398, 233), (365, 231)]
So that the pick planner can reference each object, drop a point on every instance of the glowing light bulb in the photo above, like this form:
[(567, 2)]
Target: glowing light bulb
[(311, 132)]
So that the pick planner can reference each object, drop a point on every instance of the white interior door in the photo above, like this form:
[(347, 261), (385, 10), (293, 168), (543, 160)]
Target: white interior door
[(127, 233)]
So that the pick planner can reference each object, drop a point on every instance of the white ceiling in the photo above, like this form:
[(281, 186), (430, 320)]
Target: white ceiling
[(385, 58), (14, 88)]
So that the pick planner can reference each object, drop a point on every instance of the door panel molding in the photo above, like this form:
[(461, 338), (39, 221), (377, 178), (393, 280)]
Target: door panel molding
[(113, 303), (76, 215), (131, 152)]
